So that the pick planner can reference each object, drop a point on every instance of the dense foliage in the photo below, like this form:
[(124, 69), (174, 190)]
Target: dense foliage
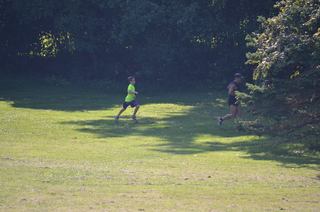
[(94, 39), (286, 96)]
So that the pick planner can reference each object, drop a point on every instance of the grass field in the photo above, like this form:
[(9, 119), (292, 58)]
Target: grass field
[(61, 151)]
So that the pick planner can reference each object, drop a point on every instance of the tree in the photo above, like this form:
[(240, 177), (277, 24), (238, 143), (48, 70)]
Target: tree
[(286, 60)]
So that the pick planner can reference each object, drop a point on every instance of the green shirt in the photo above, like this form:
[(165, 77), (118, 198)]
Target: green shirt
[(131, 96)]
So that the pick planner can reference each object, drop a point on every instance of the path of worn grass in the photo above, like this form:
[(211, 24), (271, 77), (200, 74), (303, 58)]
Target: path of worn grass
[(60, 150)]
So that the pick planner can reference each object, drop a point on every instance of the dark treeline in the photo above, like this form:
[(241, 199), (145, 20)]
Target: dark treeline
[(110, 39)]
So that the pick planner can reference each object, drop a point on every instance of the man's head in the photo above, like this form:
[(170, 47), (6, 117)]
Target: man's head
[(238, 77), (132, 80)]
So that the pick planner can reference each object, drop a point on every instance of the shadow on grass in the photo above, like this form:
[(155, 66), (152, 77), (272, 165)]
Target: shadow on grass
[(58, 98), (179, 132), (70, 98)]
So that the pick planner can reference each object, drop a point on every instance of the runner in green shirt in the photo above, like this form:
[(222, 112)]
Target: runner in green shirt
[(130, 100)]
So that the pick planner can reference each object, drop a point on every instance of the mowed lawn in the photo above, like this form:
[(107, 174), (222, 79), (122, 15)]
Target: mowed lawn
[(60, 150)]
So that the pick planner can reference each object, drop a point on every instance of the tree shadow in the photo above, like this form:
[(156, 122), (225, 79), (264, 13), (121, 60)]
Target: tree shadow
[(60, 98), (72, 98), (178, 133)]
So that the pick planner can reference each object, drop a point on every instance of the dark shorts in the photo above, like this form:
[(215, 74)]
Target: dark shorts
[(232, 100), (133, 103)]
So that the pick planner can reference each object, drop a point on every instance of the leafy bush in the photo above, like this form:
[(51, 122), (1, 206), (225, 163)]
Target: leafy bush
[(285, 96)]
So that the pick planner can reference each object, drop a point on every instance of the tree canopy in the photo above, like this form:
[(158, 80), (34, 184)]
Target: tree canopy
[(286, 96), (112, 38)]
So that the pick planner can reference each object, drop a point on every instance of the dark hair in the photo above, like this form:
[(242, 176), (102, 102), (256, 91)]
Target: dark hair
[(237, 75), (131, 78)]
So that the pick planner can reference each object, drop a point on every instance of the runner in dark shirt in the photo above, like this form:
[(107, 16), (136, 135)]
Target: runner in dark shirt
[(232, 99)]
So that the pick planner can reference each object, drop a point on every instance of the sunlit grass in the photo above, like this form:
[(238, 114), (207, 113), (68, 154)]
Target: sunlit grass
[(69, 155)]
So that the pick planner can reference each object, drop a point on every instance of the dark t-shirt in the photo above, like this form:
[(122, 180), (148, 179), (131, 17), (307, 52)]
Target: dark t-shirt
[(232, 100), (235, 86)]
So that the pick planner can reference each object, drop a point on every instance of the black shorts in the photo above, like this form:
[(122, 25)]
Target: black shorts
[(133, 103), (232, 100)]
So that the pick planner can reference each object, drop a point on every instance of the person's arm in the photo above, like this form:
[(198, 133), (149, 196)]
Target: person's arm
[(231, 89), (132, 91)]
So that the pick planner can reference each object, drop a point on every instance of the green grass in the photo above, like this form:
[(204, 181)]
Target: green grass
[(60, 150)]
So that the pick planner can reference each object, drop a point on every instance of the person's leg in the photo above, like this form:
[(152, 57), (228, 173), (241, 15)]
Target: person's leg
[(134, 104), (238, 112), (231, 115), (136, 109), (124, 107), (120, 112)]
